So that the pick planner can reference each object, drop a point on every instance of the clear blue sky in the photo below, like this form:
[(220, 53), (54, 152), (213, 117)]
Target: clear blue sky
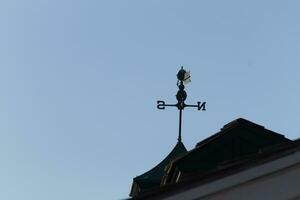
[(79, 82)]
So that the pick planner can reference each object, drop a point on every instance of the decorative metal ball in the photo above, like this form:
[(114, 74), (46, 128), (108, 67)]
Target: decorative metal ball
[(180, 74), (181, 95), (181, 87)]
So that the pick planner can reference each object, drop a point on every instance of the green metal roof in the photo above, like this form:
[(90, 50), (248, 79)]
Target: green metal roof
[(236, 139), (153, 177)]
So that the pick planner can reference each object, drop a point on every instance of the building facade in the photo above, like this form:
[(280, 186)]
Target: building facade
[(242, 161)]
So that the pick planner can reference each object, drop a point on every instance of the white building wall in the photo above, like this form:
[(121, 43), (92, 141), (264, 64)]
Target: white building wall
[(284, 185), (275, 180)]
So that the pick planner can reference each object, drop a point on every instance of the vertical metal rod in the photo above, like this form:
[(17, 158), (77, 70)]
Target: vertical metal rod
[(180, 121)]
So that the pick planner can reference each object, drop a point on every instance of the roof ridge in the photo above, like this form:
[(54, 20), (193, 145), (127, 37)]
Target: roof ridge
[(242, 122)]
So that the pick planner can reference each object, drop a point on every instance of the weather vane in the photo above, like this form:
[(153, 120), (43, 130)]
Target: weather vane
[(184, 78)]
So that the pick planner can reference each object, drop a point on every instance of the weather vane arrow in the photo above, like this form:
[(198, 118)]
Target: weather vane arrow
[(184, 77)]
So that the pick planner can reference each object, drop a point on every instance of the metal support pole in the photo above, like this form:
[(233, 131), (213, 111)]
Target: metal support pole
[(180, 121)]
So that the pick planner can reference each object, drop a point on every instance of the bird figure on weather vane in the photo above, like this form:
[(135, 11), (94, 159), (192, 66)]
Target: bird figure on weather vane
[(184, 78)]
